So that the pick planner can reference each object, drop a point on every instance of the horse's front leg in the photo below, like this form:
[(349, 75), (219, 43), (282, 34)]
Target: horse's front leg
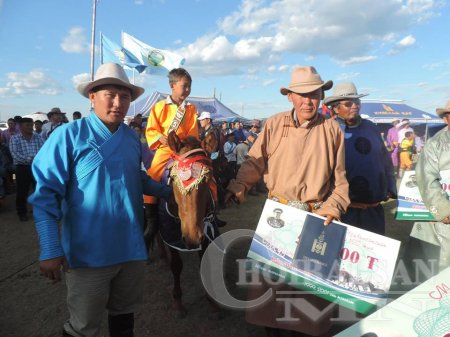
[(176, 265)]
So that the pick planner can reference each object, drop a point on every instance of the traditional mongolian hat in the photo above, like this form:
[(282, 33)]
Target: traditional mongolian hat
[(110, 74)]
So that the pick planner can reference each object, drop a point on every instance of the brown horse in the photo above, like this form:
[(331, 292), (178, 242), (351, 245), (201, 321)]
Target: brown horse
[(183, 226)]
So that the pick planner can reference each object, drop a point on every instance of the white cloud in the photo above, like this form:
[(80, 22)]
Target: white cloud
[(422, 9), (404, 43), (80, 78), (407, 41), (260, 31), (266, 83), (389, 37), (138, 2), (347, 76), (36, 82), (357, 59), (251, 17), (433, 66), (273, 68), (75, 41)]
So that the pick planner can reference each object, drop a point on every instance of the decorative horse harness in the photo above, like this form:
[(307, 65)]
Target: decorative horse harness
[(188, 171)]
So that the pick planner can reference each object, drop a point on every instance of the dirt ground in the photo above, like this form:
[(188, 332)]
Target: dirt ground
[(31, 306)]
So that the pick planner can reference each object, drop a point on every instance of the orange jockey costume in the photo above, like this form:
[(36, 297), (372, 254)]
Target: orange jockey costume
[(158, 124), (159, 121)]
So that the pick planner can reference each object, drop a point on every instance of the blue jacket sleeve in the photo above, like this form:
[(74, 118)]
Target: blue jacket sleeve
[(51, 169), (154, 188)]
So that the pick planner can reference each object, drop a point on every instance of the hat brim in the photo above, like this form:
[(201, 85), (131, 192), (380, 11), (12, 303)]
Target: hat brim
[(304, 89), (332, 99), (86, 88), (442, 112), (51, 113)]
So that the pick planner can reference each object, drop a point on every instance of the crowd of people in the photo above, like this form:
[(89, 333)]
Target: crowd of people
[(19, 144), (404, 146), (96, 176)]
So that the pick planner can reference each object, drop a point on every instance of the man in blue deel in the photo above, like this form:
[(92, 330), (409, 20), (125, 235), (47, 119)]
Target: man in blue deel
[(368, 166), (89, 179)]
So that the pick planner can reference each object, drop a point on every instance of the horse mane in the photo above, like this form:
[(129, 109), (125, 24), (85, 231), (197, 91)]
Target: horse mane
[(190, 143)]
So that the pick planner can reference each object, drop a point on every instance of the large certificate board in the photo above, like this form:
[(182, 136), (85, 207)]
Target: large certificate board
[(410, 202), (365, 270), (421, 312)]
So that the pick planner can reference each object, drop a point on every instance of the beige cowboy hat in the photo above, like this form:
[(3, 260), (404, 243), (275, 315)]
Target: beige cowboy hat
[(112, 74), (343, 91), (441, 112), (304, 80)]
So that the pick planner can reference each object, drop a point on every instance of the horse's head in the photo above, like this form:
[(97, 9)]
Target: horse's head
[(191, 174)]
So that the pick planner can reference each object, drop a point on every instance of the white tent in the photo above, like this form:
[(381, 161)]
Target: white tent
[(218, 110), (37, 116)]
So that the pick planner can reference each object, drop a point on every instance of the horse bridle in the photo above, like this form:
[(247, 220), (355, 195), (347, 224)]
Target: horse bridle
[(188, 170), (187, 160)]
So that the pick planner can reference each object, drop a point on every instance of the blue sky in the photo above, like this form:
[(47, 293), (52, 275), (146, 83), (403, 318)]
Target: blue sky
[(242, 49)]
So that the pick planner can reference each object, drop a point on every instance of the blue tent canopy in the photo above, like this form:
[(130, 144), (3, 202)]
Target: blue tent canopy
[(387, 111), (219, 112)]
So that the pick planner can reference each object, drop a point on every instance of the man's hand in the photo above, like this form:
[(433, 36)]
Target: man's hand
[(230, 196), (391, 195), (446, 220), (52, 268), (163, 140), (329, 219)]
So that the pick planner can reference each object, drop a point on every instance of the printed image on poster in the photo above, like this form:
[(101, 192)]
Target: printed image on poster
[(365, 263), (319, 247), (410, 202)]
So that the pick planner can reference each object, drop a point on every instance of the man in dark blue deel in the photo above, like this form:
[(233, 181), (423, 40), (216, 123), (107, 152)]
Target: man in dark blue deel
[(369, 169)]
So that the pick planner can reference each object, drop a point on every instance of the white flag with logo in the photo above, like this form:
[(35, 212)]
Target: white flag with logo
[(158, 61)]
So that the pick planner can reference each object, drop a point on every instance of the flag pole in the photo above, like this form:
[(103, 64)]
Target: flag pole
[(134, 102), (94, 10), (101, 48)]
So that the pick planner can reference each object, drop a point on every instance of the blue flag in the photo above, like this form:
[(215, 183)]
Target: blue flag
[(158, 61), (112, 52)]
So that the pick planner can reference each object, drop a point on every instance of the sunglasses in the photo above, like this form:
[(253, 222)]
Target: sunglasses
[(348, 104)]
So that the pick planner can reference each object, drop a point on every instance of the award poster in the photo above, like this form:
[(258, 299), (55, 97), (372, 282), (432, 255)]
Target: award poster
[(410, 203), (421, 312), (359, 277)]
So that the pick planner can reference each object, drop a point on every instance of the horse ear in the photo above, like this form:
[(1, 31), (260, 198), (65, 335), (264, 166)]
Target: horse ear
[(209, 144), (174, 142)]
